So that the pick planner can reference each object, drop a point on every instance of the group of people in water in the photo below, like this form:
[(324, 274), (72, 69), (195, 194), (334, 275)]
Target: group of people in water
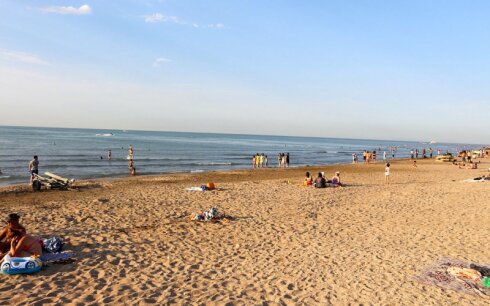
[(414, 153), (260, 161), (15, 241), (321, 182), (372, 156)]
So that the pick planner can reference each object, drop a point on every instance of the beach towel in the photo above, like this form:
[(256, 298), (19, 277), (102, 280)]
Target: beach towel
[(202, 188), (455, 274), (476, 180), (195, 189), (60, 257)]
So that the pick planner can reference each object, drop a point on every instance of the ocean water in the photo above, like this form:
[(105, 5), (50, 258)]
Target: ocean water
[(76, 153)]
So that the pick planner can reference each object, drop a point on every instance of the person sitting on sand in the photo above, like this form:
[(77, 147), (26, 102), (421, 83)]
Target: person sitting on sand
[(415, 164), (320, 181), (473, 165), (308, 179), (6, 235), (336, 180), (24, 245)]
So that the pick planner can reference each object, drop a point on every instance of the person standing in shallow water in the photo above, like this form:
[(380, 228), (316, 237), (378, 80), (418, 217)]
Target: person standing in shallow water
[(130, 151), (132, 169), (109, 154)]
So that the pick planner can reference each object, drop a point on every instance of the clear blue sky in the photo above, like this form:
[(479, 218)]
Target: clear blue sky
[(407, 70)]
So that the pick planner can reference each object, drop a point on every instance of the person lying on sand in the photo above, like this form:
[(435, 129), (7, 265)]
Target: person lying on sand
[(482, 178), (320, 181), (5, 235), (24, 245)]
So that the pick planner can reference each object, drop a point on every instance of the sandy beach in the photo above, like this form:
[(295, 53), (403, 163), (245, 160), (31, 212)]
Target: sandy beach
[(289, 245)]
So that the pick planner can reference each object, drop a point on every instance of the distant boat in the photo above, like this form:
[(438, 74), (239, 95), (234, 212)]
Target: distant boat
[(105, 135), (433, 141)]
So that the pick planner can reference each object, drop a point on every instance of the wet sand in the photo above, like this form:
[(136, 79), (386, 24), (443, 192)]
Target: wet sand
[(289, 244)]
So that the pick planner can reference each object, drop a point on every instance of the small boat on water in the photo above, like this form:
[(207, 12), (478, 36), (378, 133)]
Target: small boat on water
[(105, 135)]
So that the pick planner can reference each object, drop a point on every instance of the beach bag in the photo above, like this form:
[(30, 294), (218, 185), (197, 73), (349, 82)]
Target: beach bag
[(53, 244)]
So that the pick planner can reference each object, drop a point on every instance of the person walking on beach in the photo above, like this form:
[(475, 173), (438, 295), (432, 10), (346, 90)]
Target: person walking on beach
[(279, 160), (387, 173), (430, 152), (33, 167), (354, 158), (411, 154), (287, 160), (384, 156), (266, 161)]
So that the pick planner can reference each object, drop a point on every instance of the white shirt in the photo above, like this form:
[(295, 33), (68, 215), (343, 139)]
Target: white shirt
[(387, 171)]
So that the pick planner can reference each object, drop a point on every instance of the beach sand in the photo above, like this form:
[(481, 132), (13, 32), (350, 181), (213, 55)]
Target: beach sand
[(290, 245)]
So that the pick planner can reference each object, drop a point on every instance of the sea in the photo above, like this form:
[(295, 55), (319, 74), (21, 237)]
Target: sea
[(83, 153)]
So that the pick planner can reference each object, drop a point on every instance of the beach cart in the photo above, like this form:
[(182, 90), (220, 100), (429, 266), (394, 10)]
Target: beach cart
[(50, 181)]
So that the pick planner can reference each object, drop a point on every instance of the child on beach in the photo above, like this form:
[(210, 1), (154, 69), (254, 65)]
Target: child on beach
[(308, 180), (387, 173)]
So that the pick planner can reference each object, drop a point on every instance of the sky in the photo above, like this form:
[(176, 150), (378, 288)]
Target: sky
[(398, 70)]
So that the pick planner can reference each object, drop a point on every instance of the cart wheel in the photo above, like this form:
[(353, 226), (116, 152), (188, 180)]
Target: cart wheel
[(30, 265), (36, 185)]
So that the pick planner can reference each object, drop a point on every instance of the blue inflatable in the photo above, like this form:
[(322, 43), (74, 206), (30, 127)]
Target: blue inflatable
[(20, 265)]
